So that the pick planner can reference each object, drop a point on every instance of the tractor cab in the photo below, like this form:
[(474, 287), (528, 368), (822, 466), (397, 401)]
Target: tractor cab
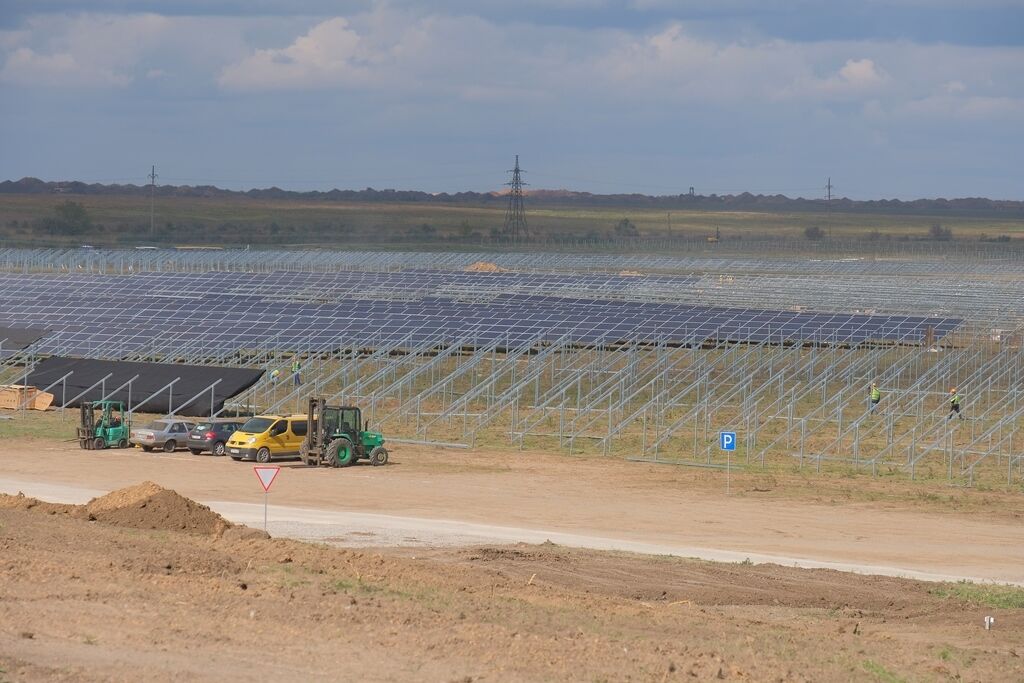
[(103, 424), (338, 437)]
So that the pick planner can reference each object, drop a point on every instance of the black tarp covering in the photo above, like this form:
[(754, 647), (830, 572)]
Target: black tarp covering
[(13, 338), (151, 377)]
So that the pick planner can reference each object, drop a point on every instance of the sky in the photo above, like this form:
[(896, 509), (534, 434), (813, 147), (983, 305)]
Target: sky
[(900, 99)]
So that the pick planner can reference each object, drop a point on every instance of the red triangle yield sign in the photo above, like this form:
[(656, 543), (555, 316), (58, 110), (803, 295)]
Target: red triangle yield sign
[(267, 474)]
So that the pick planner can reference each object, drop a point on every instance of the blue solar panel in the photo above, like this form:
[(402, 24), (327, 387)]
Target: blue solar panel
[(323, 311)]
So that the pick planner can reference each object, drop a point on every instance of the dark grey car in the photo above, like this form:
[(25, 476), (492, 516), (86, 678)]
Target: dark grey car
[(211, 435)]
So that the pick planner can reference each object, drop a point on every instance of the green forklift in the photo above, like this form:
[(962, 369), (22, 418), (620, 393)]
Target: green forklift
[(336, 436), (103, 424)]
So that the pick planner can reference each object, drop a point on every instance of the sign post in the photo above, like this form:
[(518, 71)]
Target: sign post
[(266, 474), (727, 442)]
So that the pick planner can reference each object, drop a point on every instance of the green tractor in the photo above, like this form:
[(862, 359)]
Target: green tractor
[(337, 437), (103, 424)]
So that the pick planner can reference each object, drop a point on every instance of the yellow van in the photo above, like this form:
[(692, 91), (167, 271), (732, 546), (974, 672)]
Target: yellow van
[(265, 437)]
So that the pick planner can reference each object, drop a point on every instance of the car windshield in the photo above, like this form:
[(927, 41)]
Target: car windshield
[(257, 425), (158, 426)]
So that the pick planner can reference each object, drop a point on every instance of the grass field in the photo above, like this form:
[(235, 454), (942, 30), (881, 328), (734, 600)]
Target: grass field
[(239, 221)]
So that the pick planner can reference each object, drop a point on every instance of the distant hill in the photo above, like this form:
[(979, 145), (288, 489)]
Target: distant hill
[(968, 206)]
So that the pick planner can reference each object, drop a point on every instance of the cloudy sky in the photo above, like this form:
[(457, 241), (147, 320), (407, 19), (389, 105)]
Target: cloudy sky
[(906, 98)]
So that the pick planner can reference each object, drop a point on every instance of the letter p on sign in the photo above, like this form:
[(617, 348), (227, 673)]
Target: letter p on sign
[(727, 441)]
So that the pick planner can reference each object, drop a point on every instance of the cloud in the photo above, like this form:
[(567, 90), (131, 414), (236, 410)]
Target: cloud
[(860, 73), (329, 54), (425, 57), (114, 50), (26, 67)]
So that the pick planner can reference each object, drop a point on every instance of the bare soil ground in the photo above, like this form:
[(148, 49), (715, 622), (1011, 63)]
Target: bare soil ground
[(145, 584)]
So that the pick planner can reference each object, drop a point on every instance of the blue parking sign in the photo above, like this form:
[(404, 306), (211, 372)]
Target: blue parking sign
[(727, 441)]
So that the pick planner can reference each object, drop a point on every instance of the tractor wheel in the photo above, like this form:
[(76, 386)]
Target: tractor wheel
[(170, 445), (148, 449), (379, 456), (195, 451), (123, 443), (98, 444), (340, 453), (218, 448), (263, 455)]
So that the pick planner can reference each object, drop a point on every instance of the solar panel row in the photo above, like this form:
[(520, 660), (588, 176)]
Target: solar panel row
[(99, 315)]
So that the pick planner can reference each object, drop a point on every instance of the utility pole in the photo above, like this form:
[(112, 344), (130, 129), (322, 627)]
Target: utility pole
[(152, 199), (670, 224), (828, 206), (515, 215)]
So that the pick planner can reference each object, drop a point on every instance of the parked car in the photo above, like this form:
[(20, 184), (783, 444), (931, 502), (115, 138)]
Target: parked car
[(166, 434), (212, 435), (265, 437)]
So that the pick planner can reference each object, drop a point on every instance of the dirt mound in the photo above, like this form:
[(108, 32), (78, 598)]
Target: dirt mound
[(150, 506), (125, 497), (23, 502), (484, 267)]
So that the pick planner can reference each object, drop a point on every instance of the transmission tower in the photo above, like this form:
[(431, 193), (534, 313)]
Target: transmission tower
[(152, 197), (828, 205), (515, 215)]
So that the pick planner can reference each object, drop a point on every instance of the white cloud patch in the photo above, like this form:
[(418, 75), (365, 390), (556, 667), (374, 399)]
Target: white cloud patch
[(26, 67), (331, 53), (94, 50), (861, 73)]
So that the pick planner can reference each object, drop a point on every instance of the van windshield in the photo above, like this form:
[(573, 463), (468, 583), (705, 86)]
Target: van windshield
[(257, 425)]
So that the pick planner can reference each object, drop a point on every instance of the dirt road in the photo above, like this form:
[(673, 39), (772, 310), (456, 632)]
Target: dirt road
[(434, 497)]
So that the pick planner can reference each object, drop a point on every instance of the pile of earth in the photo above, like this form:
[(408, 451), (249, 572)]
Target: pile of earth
[(143, 506), (485, 267)]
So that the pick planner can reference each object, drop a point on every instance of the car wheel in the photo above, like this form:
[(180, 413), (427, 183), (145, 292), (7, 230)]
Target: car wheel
[(123, 443), (195, 451), (98, 444), (379, 456), (148, 449), (170, 445), (263, 455), (218, 449)]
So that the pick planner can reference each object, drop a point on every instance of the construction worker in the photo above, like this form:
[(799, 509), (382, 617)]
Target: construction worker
[(296, 372), (954, 404), (875, 396), (274, 375)]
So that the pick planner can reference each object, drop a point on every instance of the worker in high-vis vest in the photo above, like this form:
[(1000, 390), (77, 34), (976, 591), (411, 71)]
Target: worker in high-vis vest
[(296, 372), (954, 404), (876, 396)]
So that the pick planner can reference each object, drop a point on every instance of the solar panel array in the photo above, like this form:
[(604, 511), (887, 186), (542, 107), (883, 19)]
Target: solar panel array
[(117, 315), (329, 260)]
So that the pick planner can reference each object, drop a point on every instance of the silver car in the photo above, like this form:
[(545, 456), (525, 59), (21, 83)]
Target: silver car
[(166, 434)]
